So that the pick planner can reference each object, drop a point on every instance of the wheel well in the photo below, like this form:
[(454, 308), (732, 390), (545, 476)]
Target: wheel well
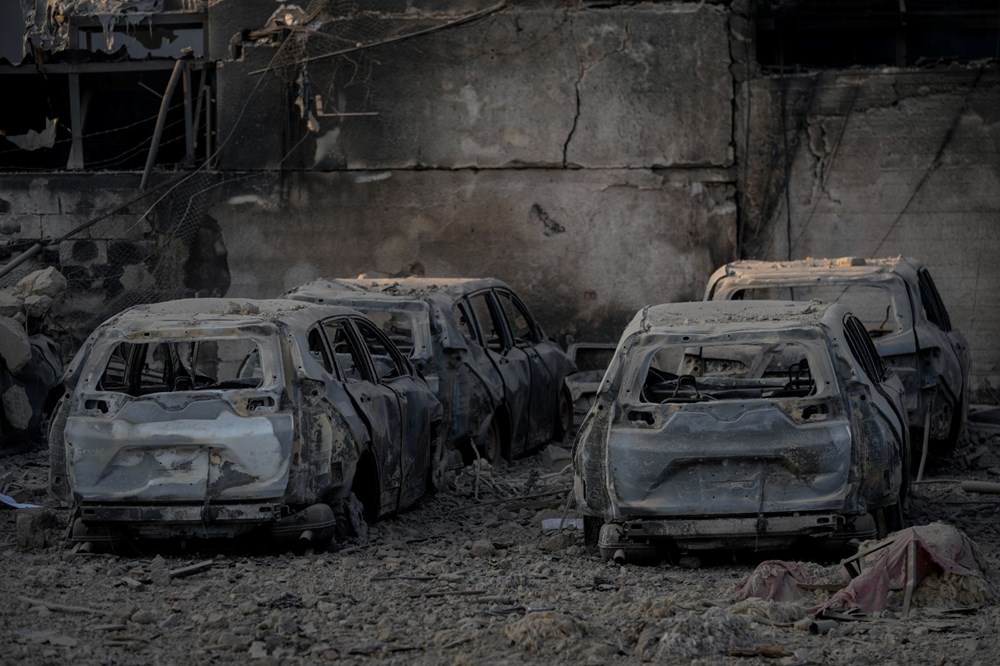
[(365, 485)]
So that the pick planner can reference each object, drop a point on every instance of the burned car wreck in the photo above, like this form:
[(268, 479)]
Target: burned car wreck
[(500, 379), (898, 302), (741, 425), (217, 417)]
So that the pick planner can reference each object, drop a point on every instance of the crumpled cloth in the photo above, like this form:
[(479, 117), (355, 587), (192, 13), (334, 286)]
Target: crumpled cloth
[(940, 548)]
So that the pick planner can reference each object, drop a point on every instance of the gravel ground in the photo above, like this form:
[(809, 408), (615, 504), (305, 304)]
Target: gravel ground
[(456, 580)]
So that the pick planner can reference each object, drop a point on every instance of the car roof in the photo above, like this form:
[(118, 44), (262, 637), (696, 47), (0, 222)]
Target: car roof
[(842, 267), (714, 317), (418, 288), (222, 312)]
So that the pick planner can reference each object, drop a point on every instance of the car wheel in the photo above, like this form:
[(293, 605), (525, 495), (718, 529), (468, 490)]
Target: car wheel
[(492, 447), (956, 427), (591, 531), (564, 418), (437, 467)]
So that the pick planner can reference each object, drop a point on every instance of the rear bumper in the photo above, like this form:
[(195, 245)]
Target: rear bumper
[(181, 513), (766, 531), (102, 522)]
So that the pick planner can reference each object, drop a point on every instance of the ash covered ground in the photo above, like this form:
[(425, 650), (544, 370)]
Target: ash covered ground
[(459, 580)]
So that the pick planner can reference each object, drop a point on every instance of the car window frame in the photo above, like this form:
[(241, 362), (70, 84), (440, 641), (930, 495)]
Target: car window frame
[(536, 335), (354, 339), (934, 310), (400, 361), (863, 350), (506, 342)]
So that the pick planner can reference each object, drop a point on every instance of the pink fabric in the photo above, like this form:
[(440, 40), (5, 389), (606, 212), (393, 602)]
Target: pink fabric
[(940, 547)]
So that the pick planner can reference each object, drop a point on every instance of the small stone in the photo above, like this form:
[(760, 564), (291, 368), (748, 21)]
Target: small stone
[(258, 650), (123, 611), (143, 616), (481, 548), (172, 621), (558, 541)]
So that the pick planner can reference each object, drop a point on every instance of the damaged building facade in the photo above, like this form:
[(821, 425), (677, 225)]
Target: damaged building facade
[(597, 156)]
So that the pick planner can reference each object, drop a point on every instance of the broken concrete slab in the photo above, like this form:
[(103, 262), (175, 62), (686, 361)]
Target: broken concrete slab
[(16, 407), (15, 348), (45, 282)]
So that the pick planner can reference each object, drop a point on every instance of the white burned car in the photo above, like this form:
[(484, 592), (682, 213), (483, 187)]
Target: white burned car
[(899, 304), (741, 424), (216, 417)]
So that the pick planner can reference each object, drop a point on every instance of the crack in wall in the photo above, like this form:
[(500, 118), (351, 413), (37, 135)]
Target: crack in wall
[(584, 70)]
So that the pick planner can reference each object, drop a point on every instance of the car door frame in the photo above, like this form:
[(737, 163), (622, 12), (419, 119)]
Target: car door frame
[(415, 414), (379, 408), (545, 379), (875, 399), (513, 365), (935, 332)]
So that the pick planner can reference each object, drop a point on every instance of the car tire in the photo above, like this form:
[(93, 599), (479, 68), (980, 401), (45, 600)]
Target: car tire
[(492, 447), (591, 531), (956, 428), (437, 466)]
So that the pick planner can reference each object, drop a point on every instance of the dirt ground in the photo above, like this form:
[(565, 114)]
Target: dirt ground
[(457, 580)]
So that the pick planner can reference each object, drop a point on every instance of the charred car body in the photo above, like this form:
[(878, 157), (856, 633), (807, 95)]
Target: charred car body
[(215, 417), (744, 424), (500, 379), (900, 306)]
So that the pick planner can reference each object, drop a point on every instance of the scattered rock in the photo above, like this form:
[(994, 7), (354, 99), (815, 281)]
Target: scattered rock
[(32, 528), (45, 282), (17, 408), (558, 541), (481, 548), (15, 348), (144, 616), (37, 305)]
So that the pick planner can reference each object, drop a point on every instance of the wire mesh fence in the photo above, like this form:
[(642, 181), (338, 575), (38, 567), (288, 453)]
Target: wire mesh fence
[(142, 253)]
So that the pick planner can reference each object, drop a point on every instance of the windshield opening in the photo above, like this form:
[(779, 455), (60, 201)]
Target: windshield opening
[(399, 326), (729, 371), (871, 303), (183, 365)]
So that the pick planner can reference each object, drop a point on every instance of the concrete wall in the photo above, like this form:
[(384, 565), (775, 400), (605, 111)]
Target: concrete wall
[(127, 257), (583, 155), (883, 163), (584, 248)]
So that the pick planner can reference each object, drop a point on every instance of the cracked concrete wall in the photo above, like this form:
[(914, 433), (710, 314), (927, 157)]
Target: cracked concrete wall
[(634, 87), (884, 162), (585, 248), (584, 155), (122, 260)]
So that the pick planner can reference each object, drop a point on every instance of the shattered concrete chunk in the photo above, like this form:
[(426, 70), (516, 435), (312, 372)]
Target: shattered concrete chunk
[(36, 305), (32, 528), (17, 407), (45, 282), (15, 348)]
